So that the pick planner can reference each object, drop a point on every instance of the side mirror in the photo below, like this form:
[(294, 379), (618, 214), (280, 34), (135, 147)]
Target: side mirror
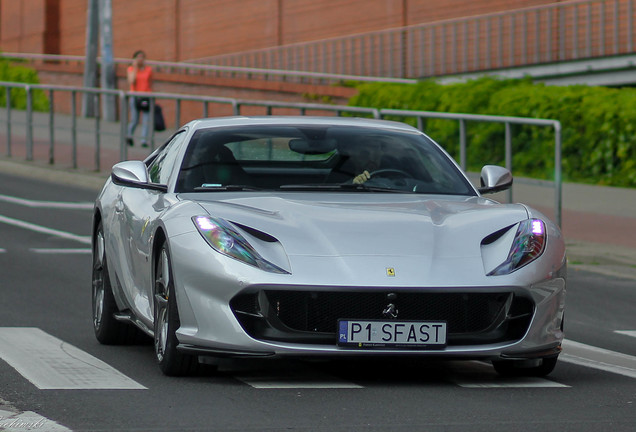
[(134, 174), (495, 179)]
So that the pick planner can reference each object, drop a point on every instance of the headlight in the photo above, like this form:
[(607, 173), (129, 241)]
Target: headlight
[(222, 236), (527, 246)]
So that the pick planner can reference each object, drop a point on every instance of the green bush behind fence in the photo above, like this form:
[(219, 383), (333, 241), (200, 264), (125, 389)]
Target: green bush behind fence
[(598, 135), (9, 71)]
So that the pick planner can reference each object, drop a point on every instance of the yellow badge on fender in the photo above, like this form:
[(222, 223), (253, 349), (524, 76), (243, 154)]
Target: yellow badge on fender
[(143, 229), (390, 271)]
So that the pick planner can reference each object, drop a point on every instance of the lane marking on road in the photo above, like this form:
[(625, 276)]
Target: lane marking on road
[(28, 421), (47, 204), (50, 363), (631, 333), (61, 251), (598, 358), (45, 230), (294, 380), (2, 250), (477, 374)]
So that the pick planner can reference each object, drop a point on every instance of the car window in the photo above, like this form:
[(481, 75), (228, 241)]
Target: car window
[(324, 157), (161, 167)]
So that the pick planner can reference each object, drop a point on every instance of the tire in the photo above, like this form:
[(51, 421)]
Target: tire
[(108, 330), (516, 368), (166, 321)]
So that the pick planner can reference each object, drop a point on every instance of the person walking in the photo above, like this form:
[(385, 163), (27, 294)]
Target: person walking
[(139, 80)]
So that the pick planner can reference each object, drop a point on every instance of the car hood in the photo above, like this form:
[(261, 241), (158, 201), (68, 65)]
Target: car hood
[(322, 225)]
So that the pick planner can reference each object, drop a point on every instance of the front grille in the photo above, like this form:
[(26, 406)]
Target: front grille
[(312, 316)]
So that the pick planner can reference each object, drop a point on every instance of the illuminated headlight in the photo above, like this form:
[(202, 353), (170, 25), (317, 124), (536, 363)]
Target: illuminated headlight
[(527, 246), (224, 238)]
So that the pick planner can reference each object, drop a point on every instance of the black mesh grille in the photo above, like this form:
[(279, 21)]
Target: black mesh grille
[(470, 316), (319, 311)]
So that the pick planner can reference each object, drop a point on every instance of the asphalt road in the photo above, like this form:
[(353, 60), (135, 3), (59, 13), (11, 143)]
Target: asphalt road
[(45, 281)]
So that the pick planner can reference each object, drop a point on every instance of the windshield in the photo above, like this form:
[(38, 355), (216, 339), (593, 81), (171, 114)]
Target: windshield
[(339, 158)]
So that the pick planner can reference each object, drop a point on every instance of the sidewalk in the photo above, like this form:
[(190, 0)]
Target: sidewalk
[(599, 223)]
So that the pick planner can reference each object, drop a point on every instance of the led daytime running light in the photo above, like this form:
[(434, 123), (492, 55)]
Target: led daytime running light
[(527, 246), (224, 238)]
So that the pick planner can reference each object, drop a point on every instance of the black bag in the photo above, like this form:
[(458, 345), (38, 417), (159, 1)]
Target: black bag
[(160, 123), (142, 103)]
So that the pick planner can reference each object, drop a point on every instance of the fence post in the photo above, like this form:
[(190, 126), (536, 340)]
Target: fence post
[(557, 172), (151, 125), (177, 114), (123, 148), (51, 129), (8, 91), (462, 144), (29, 123), (509, 155), (74, 127), (97, 113)]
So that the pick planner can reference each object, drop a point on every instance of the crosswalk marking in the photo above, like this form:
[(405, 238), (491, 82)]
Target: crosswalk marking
[(47, 204), (50, 363), (294, 380), (45, 230), (631, 333), (61, 251), (478, 374), (598, 358)]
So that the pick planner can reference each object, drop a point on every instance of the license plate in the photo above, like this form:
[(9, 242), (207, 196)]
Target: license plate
[(392, 334)]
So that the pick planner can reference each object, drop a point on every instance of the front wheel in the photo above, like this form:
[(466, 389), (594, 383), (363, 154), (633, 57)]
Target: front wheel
[(166, 317), (526, 368), (108, 330)]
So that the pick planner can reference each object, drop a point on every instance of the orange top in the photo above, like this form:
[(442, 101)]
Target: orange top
[(142, 82)]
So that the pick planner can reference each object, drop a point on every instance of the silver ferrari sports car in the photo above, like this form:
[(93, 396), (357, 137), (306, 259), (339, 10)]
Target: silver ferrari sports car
[(307, 236)]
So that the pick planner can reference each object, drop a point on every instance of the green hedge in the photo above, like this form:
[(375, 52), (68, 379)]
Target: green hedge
[(598, 139), (9, 71)]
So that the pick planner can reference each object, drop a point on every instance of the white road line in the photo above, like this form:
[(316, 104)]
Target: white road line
[(631, 333), (50, 363), (293, 380), (476, 374), (45, 230), (28, 421), (598, 358), (47, 204), (2, 250), (61, 251)]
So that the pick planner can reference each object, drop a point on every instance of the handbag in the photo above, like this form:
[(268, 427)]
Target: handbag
[(160, 123), (142, 103)]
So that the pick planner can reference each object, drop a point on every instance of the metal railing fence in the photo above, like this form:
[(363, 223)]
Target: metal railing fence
[(507, 121), (118, 130), (562, 31), (189, 69)]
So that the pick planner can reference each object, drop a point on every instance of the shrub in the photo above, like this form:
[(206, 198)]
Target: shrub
[(9, 71), (598, 123)]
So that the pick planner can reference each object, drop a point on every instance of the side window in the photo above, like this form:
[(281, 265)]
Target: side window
[(161, 167)]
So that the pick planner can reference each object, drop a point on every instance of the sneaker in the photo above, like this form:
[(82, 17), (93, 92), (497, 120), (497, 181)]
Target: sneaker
[(130, 142)]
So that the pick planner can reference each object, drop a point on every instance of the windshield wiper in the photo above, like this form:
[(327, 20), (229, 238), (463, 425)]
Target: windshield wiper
[(340, 187), (226, 188)]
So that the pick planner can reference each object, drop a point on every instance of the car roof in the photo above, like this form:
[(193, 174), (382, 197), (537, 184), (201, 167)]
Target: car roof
[(301, 120)]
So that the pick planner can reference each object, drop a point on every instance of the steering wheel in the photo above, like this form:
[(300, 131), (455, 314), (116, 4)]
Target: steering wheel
[(380, 172)]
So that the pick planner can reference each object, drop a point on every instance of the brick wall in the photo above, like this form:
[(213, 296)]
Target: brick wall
[(178, 30)]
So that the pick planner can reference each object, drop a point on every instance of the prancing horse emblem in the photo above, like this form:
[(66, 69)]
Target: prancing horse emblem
[(390, 311)]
